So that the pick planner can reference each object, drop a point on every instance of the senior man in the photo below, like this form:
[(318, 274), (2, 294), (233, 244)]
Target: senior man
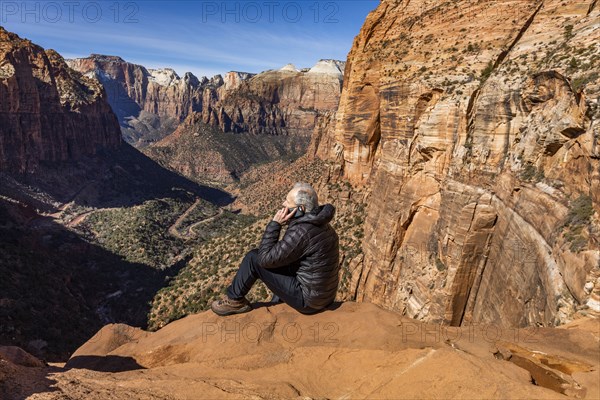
[(301, 269)]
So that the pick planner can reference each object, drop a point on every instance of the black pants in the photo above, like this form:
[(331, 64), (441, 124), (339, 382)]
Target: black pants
[(281, 281)]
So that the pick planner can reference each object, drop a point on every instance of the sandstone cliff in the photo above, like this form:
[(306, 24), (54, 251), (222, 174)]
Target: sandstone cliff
[(474, 128), (285, 101), (48, 112), (151, 103)]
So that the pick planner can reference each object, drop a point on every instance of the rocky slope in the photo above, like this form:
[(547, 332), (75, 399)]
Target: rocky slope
[(203, 153), (275, 352), (151, 103), (48, 112), (474, 127)]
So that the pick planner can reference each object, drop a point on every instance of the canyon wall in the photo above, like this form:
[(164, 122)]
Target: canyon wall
[(150, 103), (48, 112), (474, 127), (278, 102)]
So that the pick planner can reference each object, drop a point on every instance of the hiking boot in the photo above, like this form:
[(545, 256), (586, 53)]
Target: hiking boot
[(227, 306)]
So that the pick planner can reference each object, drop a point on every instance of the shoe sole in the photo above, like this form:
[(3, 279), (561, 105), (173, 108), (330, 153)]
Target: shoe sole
[(240, 311)]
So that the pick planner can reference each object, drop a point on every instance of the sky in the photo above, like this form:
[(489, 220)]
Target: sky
[(202, 37)]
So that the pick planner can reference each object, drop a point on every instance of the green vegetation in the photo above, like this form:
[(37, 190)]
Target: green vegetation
[(439, 264), (581, 81), (578, 219), (485, 74), (473, 48), (532, 174), (349, 223), (574, 63), (568, 32), (581, 211), (208, 273), (139, 233)]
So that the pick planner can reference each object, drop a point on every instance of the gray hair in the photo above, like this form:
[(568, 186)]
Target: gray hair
[(305, 195)]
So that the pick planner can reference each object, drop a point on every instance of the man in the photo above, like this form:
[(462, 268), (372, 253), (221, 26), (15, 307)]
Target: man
[(301, 269)]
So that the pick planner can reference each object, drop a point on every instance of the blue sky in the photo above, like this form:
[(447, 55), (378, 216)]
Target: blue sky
[(204, 37)]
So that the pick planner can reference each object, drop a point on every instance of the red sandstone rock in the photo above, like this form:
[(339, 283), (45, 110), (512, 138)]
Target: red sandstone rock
[(48, 112)]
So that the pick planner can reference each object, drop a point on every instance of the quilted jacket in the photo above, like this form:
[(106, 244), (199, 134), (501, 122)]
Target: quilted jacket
[(310, 244)]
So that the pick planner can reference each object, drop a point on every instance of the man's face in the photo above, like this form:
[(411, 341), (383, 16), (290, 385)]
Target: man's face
[(289, 200)]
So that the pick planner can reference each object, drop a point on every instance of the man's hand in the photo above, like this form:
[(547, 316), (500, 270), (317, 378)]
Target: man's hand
[(283, 215)]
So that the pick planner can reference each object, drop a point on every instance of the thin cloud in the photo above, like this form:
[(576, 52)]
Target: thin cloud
[(176, 37)]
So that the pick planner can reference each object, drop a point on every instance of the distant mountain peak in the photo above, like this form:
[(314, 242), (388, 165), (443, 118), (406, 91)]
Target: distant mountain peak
[(106, 58), (323, 66), (328, 66), (164, 76), (289, 68)]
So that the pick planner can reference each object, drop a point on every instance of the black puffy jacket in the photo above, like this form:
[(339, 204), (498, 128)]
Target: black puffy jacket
[(312, 245)]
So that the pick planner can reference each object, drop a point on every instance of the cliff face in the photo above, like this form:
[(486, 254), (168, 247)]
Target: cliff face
[(474, 127), (151, 103), (48, 112), (285, 101)]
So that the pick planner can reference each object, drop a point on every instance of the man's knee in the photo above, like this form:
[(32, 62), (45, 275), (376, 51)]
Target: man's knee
[(253, 254), (252, 258)]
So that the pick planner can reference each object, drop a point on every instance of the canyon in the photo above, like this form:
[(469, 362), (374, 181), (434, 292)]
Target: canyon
[(459, 144), (151, 103)]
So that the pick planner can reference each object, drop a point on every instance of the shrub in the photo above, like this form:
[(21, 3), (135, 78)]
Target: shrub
[(568, 33), (580, 212), (580, 215), (439, 264), (485, 74), (528, 172)]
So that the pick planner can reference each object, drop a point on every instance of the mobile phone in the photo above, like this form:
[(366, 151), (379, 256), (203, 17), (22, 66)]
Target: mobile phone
[(299, 211)]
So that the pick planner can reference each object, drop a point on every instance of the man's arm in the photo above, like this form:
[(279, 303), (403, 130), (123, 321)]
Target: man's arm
[(274, 253)]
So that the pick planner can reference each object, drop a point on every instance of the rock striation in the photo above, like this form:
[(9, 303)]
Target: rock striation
[(48, 112), (279, 102), (474, 127)]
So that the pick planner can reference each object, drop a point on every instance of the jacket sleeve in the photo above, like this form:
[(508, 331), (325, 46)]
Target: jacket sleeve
[(274, 253)]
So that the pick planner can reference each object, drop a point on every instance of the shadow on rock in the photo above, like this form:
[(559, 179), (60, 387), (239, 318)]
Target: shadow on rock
[(104, 363)]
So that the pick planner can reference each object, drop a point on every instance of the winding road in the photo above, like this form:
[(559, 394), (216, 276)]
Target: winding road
[(190, 233)]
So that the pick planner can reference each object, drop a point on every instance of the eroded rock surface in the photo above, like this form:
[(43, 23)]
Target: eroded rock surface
[(474, 126), (151, 103)]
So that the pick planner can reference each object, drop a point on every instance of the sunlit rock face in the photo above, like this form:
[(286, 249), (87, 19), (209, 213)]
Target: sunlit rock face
[(285, 101), (474, 127), (48, 112)]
